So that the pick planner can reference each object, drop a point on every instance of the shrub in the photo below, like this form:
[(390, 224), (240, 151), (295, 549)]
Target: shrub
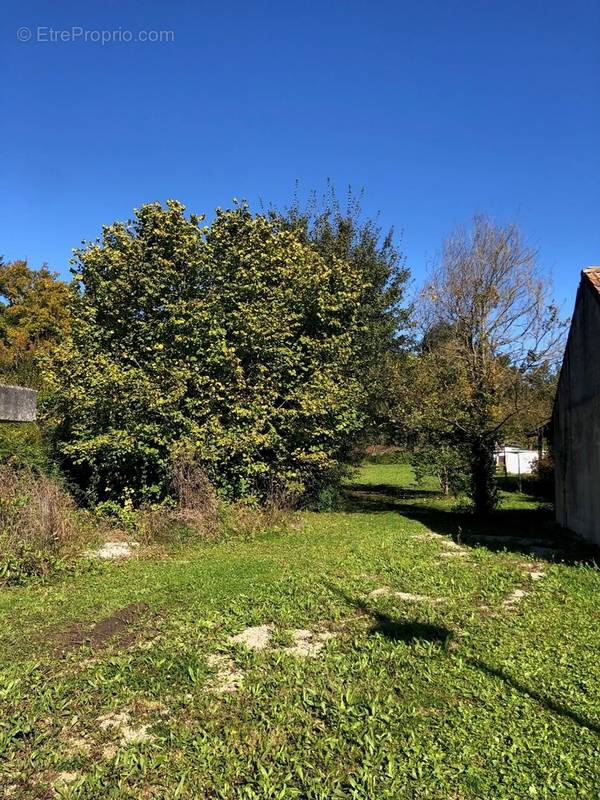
[(162, 525), (38, 525), (541, 482), (247, 520), (447, 462), (22, 444), (239, 338), (196, 498), (195, 511), (329, 499)]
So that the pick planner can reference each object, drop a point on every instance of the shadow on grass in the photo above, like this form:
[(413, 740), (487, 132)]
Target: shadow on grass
[(550, 705), (397, 630), (374, 497), (531, 532), (415, 631), (409, 632)]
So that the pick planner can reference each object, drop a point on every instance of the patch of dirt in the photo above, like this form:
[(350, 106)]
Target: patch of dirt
[(109, 752), (77, 745), (116, 627), (143, 706), (451, 545), (114, 550), (454, 553), (381, 592), (416, 598), (256, 638), (385, 591), (227, 678), (307, 644), (537, 576), (130, 734), (66, 777), (533, 570), (514, 599)]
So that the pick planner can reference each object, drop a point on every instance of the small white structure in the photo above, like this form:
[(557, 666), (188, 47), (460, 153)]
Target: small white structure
[(515, 460)]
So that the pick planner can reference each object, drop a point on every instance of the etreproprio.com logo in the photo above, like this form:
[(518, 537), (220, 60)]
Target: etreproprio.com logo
[(79, 34)]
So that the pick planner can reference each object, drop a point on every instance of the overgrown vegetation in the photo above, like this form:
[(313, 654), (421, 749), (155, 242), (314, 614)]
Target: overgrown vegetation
[(276, 348), (43, 534), (340, 231), (197, 384), (460, 692), (236, 339), (38, 524)]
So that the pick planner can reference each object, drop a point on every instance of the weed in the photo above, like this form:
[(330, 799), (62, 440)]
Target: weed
[(39, 525), (491, 694)]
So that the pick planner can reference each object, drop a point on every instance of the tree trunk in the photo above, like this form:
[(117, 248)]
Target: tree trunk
[(483, 477), (445, 481)]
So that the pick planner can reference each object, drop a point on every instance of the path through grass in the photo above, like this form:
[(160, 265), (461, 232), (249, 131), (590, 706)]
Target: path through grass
[(449, 670)]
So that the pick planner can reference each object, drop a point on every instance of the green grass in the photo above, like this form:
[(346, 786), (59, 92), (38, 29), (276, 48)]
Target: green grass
[(463, 698)]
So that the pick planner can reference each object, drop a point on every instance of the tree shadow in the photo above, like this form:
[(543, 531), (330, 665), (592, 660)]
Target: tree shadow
[(531, 532), (413, 631), (546, 702), (379, 497), (407, 631)]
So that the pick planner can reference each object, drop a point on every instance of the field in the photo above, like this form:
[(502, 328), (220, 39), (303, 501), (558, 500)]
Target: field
[(392, 651)]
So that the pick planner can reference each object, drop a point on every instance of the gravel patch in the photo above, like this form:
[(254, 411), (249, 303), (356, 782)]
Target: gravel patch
[(227, 678), (514, 599), (114, 550), (256, 638), (307, 644), (130, 734)]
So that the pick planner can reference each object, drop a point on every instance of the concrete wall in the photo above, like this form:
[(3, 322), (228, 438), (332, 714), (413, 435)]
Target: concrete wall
[(17, 404), (576, 422)]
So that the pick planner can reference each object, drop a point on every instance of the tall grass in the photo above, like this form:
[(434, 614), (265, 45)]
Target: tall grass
[(38, 524)]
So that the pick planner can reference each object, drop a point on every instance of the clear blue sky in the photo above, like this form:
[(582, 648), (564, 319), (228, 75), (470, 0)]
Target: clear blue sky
[(438, 109)]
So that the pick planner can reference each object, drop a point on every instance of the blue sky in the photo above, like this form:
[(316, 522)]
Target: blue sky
[(438, 109)]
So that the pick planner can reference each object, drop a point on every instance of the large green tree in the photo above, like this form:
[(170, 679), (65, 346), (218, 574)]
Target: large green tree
[(236, 338), (34, 318), (341, 230)]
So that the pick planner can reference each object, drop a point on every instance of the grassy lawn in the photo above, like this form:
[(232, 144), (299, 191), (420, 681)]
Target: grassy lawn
[(471, 672)]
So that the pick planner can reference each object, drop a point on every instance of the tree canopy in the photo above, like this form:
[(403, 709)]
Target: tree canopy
[(491, 336), (238, 338), (34, 318), (341, 230)]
